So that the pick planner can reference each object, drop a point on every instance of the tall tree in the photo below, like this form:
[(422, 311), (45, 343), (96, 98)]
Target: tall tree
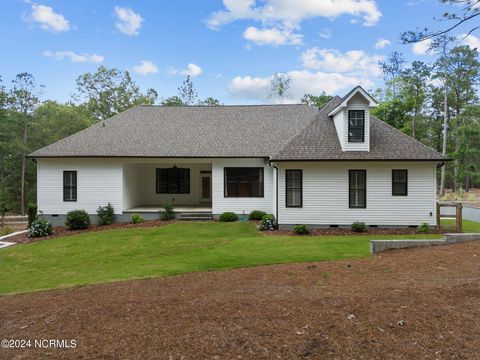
[(467, 151), (440, 47), (465, 12), (414, 89), (318, 101), (110, 91), (279, 85), (187, 92), (172, 101), (392, 69), (210, 101), (24, 97), (464, 76)]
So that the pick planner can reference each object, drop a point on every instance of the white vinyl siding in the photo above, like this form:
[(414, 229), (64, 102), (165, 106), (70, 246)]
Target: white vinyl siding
[(326, 193), (241, 205), (338, 120), (98, 183)]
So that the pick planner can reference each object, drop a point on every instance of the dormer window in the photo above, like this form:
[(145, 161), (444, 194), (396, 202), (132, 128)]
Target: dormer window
[(356, 126)]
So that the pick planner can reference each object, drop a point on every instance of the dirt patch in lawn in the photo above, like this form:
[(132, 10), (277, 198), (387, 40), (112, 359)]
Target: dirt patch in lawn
[(59, 231), (406, 304)]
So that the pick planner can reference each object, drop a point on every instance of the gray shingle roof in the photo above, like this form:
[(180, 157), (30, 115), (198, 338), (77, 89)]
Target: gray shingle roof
[(196, 131), (319, 141), (283, 132)]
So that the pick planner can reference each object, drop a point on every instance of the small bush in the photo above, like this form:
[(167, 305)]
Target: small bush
[(106, 214), (301, 229), (40, 228), (137, 219), (423, 228), (168, 213), (257, 215), (358, 227), (77, 220), (228, 216), (268, 223), (32, 213)]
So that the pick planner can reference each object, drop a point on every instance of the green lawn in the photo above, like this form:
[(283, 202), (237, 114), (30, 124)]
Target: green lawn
[(468, 226), (98, 257)]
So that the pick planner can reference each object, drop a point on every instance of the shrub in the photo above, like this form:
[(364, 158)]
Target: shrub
[(256, 215), (106, 214), (137, 219), (358, 227), (268, 223), (423, 228), (228, 216), (167, 213), (40, 228), (77, 220), (32, 213), (301, 229)]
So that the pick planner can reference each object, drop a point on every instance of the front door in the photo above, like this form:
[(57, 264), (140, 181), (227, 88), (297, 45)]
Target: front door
[(205, 187)]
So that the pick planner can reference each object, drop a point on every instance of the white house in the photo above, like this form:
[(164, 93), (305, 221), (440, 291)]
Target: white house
[(327, 167)]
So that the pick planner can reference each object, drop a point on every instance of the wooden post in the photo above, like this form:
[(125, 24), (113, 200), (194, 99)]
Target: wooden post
[(458, 217), (438, 216)]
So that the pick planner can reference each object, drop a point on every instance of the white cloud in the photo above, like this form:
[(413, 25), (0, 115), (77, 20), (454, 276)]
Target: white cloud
[(422, 47), (294, 11), (325, 33), (382, 43), (146, 67), (128, 21), (471, 40), (74, 57), (48, 19), (272, 36), (353, 62), (302, 82), (192, 70)]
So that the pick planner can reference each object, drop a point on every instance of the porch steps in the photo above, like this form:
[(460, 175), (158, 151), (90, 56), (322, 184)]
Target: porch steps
[(195, 216)]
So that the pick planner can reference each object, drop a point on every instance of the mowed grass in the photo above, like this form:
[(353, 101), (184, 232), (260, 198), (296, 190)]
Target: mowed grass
[(112, 255), (467, 226)]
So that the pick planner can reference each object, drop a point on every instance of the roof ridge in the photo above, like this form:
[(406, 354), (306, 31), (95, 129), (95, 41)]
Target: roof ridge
[(219, 106)]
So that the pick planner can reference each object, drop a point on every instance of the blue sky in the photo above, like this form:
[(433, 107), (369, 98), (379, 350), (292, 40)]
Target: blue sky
[(230, 48)]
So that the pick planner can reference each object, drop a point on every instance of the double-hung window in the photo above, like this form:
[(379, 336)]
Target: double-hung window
[(357, 189), (243, 182), (356, 126), (294, 188), (173, 181), (69, 186), (400, 182)]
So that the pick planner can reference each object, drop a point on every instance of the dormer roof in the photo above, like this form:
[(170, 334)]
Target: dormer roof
[(344, 101)]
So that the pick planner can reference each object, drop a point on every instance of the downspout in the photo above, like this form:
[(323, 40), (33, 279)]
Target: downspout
[(276, 189)]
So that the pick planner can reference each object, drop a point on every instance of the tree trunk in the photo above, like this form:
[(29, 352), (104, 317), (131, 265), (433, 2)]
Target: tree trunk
[(24, 161), (444, 143), (414, 122)]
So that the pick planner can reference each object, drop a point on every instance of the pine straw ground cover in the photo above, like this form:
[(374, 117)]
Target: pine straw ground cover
[(409, 304)]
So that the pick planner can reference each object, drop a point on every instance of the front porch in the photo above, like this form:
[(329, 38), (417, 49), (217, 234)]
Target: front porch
[(186, 184), (178, 209)]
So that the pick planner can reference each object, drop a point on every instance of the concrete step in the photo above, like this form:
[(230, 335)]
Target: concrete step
[(196, 216), (195, 219)]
